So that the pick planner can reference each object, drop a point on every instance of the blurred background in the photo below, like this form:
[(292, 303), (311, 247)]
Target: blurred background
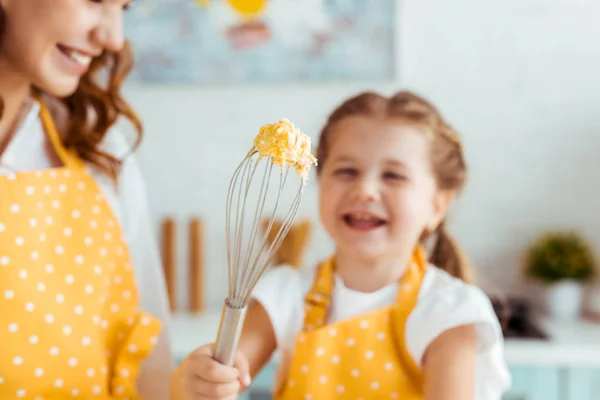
[(518, 79)]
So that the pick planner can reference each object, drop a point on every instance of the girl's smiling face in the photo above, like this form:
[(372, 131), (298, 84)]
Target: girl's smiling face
[(378, 193)]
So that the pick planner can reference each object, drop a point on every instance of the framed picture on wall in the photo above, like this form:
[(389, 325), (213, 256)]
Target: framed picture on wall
[(262, 41)]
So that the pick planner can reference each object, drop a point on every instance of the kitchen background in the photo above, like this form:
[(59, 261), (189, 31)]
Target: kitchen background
[(517, 78)]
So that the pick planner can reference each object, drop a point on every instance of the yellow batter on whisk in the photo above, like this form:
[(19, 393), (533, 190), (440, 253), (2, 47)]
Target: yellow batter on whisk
[(287, 145)]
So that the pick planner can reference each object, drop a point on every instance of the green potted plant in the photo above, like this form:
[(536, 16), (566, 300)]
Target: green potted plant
[(564, 263)]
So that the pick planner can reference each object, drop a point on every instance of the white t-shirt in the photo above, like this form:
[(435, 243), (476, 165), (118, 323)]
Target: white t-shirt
[(443, 302), (27, 151)]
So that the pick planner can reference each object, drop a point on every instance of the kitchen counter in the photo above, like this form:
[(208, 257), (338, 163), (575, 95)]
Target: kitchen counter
[(575, 344), (570, 344)]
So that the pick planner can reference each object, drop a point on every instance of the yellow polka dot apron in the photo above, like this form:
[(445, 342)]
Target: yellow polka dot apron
[(364, 357), (69, 320)]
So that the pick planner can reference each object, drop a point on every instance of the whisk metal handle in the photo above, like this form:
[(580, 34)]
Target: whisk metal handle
[(230, 330)]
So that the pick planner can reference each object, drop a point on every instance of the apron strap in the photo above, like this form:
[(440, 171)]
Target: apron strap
[(68, 158), (317, 300), (406, 300), (408, 291)]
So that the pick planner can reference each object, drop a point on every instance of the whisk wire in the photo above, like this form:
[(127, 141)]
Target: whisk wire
[(254, 230), (228, 206), (250, 170), (262, 259), (233, 258), (282, 178), (281, 234)]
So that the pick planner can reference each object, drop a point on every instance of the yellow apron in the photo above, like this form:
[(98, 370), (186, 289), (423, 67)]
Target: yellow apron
[(359, 358), (70, 326)]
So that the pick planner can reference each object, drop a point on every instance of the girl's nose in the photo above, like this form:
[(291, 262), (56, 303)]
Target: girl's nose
[(366, 189)]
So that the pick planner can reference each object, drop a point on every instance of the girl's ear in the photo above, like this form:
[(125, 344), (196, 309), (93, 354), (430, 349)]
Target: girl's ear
[(441, 202)]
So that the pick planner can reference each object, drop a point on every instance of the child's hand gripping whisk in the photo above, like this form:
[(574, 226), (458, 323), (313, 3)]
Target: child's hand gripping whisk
[(280, 147)]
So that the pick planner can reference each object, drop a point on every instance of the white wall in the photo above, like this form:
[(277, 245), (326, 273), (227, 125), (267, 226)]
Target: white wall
[(519, 79)]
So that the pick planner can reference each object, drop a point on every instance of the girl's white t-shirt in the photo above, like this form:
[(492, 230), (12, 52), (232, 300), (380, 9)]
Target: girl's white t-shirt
[(28, 150), (443, 302)]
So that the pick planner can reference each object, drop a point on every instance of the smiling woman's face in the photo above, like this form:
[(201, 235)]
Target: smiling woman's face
[(50, 43)]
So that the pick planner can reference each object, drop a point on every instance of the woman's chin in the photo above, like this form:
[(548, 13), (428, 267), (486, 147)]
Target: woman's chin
[(59, 86), (63, 91)]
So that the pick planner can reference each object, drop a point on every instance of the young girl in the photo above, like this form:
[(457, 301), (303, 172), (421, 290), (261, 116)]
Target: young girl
[(75, 239), (381, 318)]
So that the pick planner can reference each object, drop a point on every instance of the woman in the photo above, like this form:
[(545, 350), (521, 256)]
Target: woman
[(83, 307)]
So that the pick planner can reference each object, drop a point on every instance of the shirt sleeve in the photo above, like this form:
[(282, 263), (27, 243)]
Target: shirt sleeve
[(137, 229), (279, 291), (454, 304)]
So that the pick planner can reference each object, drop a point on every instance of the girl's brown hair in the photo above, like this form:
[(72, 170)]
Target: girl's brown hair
[(447, 158), (95, 107)]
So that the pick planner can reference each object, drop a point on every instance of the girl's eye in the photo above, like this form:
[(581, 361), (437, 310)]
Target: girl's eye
[(346, 172), (394, 176)]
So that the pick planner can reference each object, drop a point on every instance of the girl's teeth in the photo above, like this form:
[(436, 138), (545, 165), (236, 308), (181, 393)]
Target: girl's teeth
[(362, 217), (362, 223), (80, 58)]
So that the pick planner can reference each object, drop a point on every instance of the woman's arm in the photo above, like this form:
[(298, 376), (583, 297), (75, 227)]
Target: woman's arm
[(449, 365), (129, 201), (199, 375)]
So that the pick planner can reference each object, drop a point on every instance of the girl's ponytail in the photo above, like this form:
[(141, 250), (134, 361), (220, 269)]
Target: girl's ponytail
[(447, 255)]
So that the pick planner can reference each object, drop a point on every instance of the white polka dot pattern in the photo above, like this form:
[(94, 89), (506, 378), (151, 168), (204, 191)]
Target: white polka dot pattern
[(358, 358), (66, 292), (369, 367)]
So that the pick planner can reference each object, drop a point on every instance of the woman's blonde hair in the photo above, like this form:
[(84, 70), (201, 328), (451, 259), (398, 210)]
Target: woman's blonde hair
[(95, 107), (447, 158)]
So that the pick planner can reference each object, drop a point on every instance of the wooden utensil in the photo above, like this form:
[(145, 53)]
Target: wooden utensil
[(196, 265), (168, 259), (292, 249)]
